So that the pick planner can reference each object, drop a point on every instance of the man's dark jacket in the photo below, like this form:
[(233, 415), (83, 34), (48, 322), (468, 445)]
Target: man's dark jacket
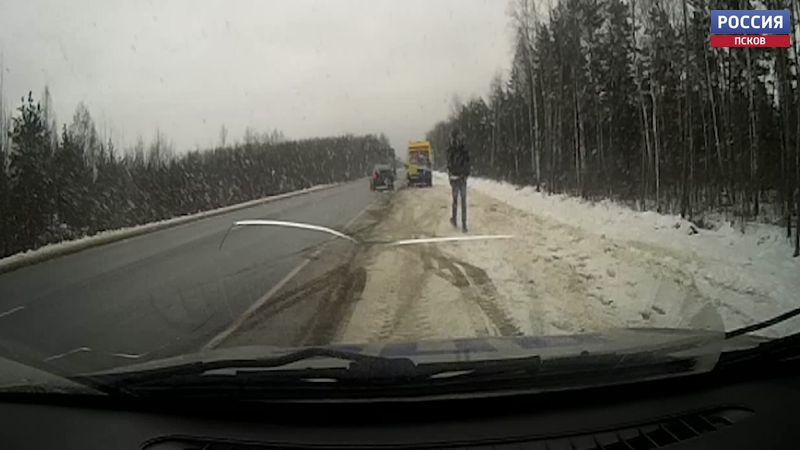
[(457, 159)]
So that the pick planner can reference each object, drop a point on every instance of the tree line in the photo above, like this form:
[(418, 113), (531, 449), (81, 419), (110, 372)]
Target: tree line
[(59, 184), (626, 99)]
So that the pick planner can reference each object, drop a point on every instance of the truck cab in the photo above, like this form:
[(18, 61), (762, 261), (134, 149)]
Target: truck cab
[(419, 168)]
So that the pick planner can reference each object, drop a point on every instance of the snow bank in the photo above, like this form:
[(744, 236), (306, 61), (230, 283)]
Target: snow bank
[(50, 251), (749, 276)]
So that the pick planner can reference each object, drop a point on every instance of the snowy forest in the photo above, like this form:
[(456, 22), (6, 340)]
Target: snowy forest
[(625, 99), (58, 184)]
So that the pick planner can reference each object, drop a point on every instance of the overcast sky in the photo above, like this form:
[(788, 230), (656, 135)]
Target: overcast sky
[(308, 68)]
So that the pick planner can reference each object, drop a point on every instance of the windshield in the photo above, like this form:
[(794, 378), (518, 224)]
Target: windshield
[(419, 158), (201, 179)]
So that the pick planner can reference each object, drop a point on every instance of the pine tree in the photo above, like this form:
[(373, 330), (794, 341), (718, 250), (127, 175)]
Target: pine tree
[(73, 179), (30, 162), (617, 93), (5, 205)]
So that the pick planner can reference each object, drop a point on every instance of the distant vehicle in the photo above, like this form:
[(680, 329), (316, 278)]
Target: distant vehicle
[(382, 177), (419, 168)]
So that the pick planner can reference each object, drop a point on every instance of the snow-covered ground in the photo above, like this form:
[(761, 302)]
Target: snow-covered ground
[(572, 267), (748, 276)]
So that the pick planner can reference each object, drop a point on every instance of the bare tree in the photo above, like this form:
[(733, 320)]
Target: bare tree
[(49, 117), (495, 102), (250, 136), (524, 16), (646, 149), (160, 150), (223, 135)]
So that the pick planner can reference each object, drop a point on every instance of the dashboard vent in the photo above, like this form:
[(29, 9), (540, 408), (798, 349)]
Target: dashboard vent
[(653, 435)]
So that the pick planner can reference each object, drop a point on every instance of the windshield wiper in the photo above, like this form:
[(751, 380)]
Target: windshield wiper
[(764, 324), (361, 369), (448, 378), (770, 351), (326, 374), (199, 368)]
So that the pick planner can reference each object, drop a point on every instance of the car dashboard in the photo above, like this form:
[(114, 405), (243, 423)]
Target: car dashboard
[(704, 411)]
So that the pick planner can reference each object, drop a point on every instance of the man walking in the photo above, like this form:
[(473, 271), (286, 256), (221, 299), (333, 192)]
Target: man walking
[(458, 169)]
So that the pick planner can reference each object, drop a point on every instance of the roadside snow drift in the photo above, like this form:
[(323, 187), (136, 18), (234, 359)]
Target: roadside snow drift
[(747, 276)]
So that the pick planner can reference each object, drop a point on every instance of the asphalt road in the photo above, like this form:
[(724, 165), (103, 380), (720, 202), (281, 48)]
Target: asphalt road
[(168, 292)]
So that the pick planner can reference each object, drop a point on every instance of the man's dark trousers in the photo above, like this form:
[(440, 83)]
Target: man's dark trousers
[(459, 186)]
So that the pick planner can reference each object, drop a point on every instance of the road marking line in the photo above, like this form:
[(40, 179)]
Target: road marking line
[(219, 338), (213, 343), (11, 311)]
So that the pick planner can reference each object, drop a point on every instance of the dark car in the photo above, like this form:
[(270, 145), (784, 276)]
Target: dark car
[(382, 177)]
